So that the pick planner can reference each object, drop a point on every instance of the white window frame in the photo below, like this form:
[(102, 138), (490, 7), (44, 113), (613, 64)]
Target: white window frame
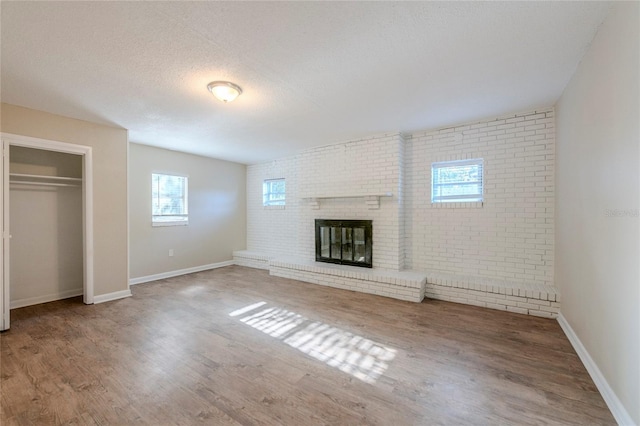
[(266, 193), (457, 198), (172, 219)]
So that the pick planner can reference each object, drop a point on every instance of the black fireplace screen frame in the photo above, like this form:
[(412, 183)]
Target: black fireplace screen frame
[(349, 248)]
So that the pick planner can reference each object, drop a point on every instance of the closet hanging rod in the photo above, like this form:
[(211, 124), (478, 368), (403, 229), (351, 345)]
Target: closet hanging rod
[(27, 182), (45, 177)]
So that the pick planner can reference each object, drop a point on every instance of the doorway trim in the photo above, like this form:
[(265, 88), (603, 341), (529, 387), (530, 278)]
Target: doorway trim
[(87, 210)]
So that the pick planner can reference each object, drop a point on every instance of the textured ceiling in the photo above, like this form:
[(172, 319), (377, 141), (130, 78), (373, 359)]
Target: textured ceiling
[(313, 73)]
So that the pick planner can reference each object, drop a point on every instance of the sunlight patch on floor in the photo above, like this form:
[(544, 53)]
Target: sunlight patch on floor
[(246, 309), (350, 353)]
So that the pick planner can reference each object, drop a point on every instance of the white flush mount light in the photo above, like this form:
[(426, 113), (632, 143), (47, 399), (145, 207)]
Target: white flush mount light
[(224, 90)]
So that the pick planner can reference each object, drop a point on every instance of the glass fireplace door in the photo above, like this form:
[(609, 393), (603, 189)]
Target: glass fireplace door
[(359, 245), (335, 243), (346, 242)]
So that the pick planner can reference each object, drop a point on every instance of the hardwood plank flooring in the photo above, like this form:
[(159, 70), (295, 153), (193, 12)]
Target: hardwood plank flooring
[(235, 346)]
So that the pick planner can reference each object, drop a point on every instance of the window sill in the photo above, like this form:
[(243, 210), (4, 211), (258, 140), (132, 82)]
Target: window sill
[(177, 223), (273, 207), (458, 205)]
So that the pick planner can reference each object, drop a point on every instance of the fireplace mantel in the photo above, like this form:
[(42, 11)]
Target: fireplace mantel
[(371, 200)]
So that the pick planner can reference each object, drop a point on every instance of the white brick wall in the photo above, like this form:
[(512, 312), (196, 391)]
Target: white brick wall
[(365, 166), (272, 231), (508, 239), (510, 236)]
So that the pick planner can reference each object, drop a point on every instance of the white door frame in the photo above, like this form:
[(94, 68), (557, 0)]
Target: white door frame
[(87, 212)]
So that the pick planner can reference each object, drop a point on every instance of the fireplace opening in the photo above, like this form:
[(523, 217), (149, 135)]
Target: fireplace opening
[(346, 242)]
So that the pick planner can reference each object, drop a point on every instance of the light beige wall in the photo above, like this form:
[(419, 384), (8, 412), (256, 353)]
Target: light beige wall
[(110, 184), (597, 202), (46, 228), (217, 212)]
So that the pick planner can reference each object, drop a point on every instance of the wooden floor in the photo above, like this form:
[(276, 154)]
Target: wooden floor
[(237, 346)]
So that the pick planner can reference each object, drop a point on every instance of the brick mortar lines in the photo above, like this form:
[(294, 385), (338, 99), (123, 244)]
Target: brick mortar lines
[(509, 238)]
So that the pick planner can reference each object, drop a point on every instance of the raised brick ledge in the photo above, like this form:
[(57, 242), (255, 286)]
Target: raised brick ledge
[(251, 259), (253, 255), (411, 279), (525, 298), (528, 290)]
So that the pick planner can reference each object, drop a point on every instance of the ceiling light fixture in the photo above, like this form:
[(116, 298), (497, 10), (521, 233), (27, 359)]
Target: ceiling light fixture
[(224, 90)]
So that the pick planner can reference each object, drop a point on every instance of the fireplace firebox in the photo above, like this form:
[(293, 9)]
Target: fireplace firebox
[(346, 242)]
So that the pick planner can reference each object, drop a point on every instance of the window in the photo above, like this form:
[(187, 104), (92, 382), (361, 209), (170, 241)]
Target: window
[(273, 192), (457, 181), (169, 204)]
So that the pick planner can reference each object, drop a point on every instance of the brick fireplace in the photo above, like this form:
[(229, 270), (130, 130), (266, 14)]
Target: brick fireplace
[(496, 254)]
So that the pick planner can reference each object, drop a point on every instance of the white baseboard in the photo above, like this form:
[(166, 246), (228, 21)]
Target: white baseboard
[(111, 296), (21, 303), (155, 277), (617, 409)]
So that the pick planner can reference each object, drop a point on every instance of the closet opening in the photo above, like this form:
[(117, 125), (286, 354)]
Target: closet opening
[(47, 220), (45, 207)]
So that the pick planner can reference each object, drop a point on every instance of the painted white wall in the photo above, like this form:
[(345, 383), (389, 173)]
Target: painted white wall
[(217, 212), (366, 166), (597, 200), (109, 146), (509, 238)]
